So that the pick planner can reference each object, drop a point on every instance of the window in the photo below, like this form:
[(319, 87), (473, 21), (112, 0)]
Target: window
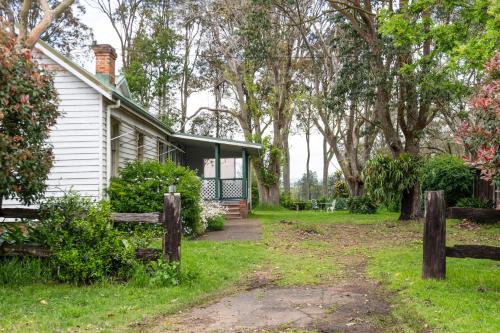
[(140, 146), (115, 147), (162, 151)]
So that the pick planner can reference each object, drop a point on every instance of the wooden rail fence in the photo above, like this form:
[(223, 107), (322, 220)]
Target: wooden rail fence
[(435, 250), (170, 219)]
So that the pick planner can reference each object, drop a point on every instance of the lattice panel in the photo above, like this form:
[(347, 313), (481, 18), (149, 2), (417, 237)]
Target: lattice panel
[(232, 188), (208, 189)]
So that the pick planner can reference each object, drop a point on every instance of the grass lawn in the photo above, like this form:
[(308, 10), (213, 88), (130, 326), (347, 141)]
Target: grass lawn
[(113, 307), (298, 248), (468, 300)]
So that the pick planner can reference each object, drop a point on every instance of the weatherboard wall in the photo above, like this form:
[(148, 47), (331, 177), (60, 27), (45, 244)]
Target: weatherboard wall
[(76, 137)]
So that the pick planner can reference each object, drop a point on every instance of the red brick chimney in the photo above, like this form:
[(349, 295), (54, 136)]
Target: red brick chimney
[(105, 56)]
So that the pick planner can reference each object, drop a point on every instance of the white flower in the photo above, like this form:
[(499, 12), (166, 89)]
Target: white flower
[(210, 210)]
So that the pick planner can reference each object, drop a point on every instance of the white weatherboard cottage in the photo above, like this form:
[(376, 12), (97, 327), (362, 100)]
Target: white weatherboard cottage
[(101, 128)]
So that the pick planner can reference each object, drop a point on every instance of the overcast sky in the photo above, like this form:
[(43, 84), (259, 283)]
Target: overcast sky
[(104, 34)]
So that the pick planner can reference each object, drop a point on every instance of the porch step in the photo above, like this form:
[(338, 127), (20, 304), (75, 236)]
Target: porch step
[(233, 210)]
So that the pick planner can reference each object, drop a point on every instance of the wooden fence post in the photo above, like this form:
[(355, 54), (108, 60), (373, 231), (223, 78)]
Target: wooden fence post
[(172, 226), (434, 259)]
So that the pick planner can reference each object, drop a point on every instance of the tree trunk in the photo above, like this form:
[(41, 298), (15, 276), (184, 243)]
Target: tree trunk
[(326, 165), (410, 204), (308, 173), (286, 165), (355, 187), (269, 195)]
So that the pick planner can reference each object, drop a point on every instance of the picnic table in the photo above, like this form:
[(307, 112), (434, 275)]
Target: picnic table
[(301, 205), (324, 206)]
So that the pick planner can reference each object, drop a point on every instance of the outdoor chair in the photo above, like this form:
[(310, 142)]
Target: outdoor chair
[(332, 206), (314, 204)]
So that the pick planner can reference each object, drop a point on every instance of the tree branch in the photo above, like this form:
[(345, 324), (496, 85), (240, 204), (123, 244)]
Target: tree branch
[(232, 113), (49, 15)]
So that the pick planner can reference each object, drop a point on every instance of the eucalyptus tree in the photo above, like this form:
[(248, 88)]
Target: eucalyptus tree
[(124, 16), (213, 124), (67, 33), (153, 63), (410, 46), (305, 124), (191, 28), (346, 117), (33, 18), (256, 49), (339, 72)]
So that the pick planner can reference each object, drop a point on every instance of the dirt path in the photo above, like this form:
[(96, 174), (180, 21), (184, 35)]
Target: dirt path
[(244, 229), (350, 303), (354, 307)]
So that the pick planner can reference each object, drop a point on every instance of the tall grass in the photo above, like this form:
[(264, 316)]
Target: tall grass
[(24, 271)]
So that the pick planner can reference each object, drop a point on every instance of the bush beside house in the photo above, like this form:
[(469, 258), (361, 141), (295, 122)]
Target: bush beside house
[(141, 186), (85, 247)]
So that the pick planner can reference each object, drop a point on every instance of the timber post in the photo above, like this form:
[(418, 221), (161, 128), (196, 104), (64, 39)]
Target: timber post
[(218, 183), (244, 185), (434, 254), (172, 226)]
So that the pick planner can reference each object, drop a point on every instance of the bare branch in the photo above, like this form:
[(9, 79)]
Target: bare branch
[(49, 15)]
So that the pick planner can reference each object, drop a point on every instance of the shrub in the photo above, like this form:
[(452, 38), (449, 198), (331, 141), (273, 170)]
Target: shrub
[(28, 100), (361, 205), (157, 273), (141, 186), (387, 178), (450, 174), (474, 203), (340, 203), (286, 201), (84, 246), (216, 223), (211, 210), (340, 189)]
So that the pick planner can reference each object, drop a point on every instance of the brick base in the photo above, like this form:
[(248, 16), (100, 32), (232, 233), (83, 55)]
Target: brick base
[(243, 209)]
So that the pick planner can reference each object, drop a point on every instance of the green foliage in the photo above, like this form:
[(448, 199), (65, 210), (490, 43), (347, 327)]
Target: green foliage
[(474, 203), (22, 271), (447, 173), (207, 268), (28, 102), (308, 185), (157, 273), (361, 205), (85, 247), (286, 201), (387, 178), (216, 223), (141, 186), (466, 33), (255, 192), (340, 203), (340, 189), (269, 162), (153, 65), (12, 234)]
